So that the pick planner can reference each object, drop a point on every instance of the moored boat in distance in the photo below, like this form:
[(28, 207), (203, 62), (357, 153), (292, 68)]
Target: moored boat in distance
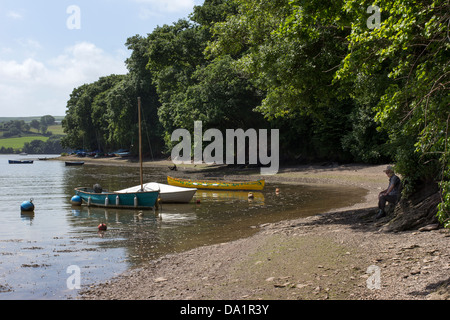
[(105, 199), (20, 161), (74, 163), (217, 184)]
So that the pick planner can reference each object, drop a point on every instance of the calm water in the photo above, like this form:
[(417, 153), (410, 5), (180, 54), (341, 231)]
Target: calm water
[(37, 249)]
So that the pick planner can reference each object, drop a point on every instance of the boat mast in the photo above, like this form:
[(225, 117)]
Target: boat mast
[(140, 146)]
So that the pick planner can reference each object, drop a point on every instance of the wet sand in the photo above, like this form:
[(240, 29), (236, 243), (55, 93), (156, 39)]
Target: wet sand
[(341, 254)]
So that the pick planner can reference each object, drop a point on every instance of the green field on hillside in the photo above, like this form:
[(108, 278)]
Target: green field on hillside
[(18, 143), (56, 129)]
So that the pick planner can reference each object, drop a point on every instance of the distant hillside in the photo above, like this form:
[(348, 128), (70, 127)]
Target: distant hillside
[(19, 134), (28, 119)]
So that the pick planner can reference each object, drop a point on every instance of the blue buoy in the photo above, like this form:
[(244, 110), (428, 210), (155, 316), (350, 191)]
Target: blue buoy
[(27, 206), (76, 200)]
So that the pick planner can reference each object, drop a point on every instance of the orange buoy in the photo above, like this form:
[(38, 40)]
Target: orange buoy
[(102, 227)]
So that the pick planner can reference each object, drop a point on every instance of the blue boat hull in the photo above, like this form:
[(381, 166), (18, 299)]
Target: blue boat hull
[(20, 161), (135, 200)]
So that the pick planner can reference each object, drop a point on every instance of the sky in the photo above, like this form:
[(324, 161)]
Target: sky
[(50, 47)]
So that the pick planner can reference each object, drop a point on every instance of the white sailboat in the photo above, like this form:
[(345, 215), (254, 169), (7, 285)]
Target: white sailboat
[(139, 198), (167, 193)]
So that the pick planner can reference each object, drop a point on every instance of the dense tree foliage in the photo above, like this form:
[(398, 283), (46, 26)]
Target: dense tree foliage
[(51, 146), (344, 80), (291, 50), (103, 115), (411, 49), (390, 55), (14, 128), (192, 87)]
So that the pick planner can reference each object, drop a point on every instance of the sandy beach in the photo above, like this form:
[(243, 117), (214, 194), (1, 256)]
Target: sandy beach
[(342, 254)]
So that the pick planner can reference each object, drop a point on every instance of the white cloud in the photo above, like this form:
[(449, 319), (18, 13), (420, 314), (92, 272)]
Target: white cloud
[(14, 15), (29, 44), (84, 62), (31, 86), (29, 70)]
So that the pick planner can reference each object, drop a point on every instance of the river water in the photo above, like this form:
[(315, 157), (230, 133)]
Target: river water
[(38, 251)]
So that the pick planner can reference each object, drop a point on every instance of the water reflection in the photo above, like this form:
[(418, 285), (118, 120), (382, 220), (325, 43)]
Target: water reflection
[(256, 198), (212, 217), (27, 216), (84, 214)]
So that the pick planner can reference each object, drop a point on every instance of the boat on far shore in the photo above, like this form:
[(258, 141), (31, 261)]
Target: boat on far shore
[(124, 154), (20, 161)]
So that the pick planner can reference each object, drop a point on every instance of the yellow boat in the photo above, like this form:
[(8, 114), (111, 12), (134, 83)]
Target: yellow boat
[(217, 185)]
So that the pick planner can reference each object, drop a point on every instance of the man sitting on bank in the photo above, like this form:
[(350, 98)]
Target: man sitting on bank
[(391, 194)]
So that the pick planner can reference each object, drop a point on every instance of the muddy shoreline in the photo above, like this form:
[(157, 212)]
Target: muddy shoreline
[(335, 255)]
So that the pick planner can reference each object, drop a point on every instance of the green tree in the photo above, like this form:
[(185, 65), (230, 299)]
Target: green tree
[(35, 124), (103, 115), (85, 112), (140, 84), (411, 46), (192, 87), (316, 60), (34, 147), (290, 50), (47, 120), (174, 52)]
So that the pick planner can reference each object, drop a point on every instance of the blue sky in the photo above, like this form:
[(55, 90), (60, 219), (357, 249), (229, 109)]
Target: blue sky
[(46, 51)]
